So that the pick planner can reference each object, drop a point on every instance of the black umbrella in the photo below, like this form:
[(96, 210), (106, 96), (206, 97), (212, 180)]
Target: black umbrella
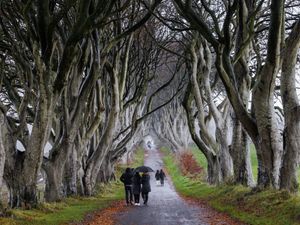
[(143, 169)]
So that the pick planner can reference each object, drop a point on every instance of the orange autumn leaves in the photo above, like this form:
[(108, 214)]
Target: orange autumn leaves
[(106, 216)]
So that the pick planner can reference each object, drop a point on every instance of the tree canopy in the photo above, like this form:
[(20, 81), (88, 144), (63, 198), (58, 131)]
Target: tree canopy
[(83, 81)]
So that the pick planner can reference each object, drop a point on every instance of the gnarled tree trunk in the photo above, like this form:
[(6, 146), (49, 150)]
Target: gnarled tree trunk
[(96, 159), (27, 164), (54, 188), (106, 172), (214, 171), (54, 168), (71, 174), (291, 107), (240, 152), (2, 148)]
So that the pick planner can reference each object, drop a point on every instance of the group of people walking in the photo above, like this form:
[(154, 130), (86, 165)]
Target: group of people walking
[(136, 185)]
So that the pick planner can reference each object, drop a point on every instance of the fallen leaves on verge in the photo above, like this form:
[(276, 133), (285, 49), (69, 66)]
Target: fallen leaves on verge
[(105, 216), (211, 216)]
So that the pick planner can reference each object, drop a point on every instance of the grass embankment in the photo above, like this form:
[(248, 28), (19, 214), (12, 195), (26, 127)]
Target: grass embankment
[(75, 208), (200, 158), (268, 207)]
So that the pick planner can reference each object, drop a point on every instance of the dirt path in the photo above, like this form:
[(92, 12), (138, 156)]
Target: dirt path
[(165, 207)]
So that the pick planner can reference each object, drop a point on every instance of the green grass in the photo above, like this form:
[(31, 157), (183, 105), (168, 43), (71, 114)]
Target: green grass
[(254, 163), (200, 158), (269, 207), (70, 209), (73, 209)]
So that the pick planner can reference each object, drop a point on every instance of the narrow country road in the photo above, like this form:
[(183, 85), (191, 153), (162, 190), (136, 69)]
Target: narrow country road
[(165, 206)]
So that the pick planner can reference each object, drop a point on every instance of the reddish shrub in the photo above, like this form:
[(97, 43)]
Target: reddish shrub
[(189, 165)]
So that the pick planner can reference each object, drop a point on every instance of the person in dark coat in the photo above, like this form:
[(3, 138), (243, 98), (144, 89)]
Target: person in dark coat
[(157, 177), (126, 178), (136, 188), (146, 188), (162, 176)]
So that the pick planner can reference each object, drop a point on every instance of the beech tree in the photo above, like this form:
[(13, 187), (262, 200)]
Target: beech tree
[(291, 107), (81, 82), (214, 146), (170, 125), (48, 42), (2, 149), (262, 127)]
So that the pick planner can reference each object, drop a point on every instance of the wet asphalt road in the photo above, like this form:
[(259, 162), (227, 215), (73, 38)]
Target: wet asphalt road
[(165, 206)]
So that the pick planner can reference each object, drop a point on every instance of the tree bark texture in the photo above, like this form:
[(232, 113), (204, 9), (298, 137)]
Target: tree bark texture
[(291, 107), (95, 161), (54, 187), (2, 148), (240, 152), (71, 174)]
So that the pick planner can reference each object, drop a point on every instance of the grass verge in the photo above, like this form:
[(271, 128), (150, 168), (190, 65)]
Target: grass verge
[(267, 207), (200, 158), (73, 209)]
